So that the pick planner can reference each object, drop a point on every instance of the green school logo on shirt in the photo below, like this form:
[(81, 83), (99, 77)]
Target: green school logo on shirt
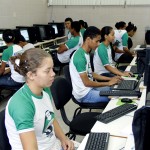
[(49, 117)]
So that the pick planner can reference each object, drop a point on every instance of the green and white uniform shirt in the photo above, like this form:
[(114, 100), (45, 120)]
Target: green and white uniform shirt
[(69, 35), (82, 31), (73, 44), (26, 112), (80, 63), (102, 58), (9, 52), (121, 38)]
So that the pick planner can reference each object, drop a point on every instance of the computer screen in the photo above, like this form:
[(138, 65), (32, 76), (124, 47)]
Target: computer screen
[(42, 32), (55, 27), (24, 33), (2, 42)]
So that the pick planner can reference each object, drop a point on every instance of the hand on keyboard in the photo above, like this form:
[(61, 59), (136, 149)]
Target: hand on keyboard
[(127, 74), (115, 80)]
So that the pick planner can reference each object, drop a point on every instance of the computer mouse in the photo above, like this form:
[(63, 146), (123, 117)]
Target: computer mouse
[(126, 100)]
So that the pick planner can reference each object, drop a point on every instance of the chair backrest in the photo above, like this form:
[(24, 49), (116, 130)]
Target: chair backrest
[(61, 92), (67, 74), (141, 128), (4, 142), (91, 60)]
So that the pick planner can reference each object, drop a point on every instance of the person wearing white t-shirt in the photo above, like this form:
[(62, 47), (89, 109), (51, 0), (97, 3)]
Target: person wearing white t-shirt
[(122, 53), (65, 50), (29, 116), (9, 77), (84, 88), (68, 22), (20, 40), (103, 63)]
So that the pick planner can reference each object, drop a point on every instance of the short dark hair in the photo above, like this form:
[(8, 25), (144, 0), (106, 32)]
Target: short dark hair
[(8, 36), (75, 25), (68, 19), (120, 24), (91, 32), (130, 27), (82, 23), (19, 38)]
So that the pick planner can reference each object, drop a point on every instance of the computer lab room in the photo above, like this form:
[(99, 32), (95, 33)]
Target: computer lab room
[(75, 75)]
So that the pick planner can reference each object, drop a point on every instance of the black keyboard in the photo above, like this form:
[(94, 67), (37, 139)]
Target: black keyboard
[(54, 46), (116, 113), (143, 46), (120, 93), (127, 85), (134, 69), (97, 141)]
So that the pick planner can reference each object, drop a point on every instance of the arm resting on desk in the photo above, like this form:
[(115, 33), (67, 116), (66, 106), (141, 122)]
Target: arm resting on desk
[(62, 48)]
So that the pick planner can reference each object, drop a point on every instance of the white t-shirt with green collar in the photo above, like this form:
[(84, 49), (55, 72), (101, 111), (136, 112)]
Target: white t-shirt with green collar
[(25, 112), (80, 63), (72, 44), (121, 37), (9, 52), (102, 58)]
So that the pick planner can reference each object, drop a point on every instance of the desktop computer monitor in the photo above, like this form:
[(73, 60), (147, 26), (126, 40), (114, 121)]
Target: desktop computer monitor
[(59, 28), (24, 33), (28, 32), (2, 42), (44, 32)]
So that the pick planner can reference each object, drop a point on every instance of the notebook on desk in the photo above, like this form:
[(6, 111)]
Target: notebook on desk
[(143, 46)]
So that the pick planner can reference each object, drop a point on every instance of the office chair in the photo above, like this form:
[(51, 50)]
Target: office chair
[(4, 142), (80, 124), (98, 105), (141, 128)]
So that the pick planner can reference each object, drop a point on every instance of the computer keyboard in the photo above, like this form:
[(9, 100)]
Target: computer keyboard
[(133, 69), (54, 46), (126, 85), (143, 46), (120, 93), (97, 141), (116, 113)]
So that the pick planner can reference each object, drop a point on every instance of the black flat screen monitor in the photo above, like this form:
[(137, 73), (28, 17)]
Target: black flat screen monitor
[(59, 28), (2, 42), (29, 33), (24, 33)]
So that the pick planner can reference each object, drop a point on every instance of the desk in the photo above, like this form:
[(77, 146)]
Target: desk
[(120, 129), (112, 143), (138, 48), (47, 43)]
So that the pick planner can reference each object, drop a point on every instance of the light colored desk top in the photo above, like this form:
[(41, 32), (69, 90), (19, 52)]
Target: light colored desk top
[(133, 61), (138, 48), (113, 145)]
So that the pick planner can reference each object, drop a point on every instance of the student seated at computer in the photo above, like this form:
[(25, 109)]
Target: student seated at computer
[(20, 40), (64, 51), (122, 53), (131, 29), (103, 62), (11, 78), (29, 118), (68, 22), (82, 29), (84, 88)]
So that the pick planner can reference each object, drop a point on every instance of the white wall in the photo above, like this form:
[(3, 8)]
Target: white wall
[(22, 12), (105, 15), (29, 12)]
